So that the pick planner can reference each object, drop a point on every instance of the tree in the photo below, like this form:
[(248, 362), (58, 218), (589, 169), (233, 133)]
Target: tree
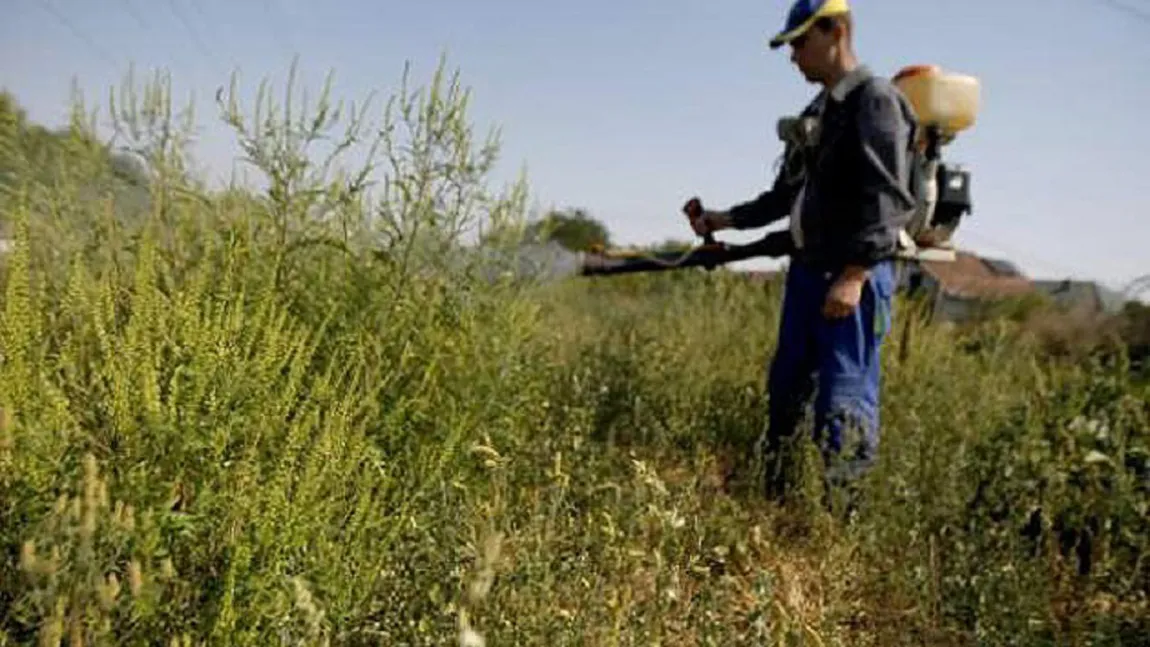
[(674, 245), (1135, 320), (574, 229)]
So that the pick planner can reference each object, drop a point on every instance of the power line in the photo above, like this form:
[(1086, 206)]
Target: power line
[(207, 53), (1063, 269), (285, 42), (78, 33), (136, 13), (200, 10), (1141, 14)]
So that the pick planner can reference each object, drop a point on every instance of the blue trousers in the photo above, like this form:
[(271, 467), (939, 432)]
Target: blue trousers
[(837, 360)]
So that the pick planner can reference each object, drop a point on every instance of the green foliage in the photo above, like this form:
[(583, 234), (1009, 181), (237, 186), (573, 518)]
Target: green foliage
[(310, 415), (674, 245), (574, 229), (1135, 330)]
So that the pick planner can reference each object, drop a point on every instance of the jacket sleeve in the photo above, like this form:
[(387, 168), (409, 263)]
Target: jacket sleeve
[(885, 128), (770, 206), (775, 204)]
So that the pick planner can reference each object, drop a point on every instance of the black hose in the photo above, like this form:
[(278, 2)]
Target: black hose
[(773, 245)]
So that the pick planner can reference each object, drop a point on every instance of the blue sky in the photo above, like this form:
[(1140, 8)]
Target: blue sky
[(627, 109)]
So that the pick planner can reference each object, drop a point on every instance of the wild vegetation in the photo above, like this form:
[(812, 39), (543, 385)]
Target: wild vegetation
[(314, 413)]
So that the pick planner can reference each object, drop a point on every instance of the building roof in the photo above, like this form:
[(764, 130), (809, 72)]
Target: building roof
[(970, 276)]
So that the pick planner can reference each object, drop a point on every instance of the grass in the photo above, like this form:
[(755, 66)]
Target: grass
[(307, 415)]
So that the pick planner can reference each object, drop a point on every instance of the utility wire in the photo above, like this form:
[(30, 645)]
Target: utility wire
[(76, 31), (284, 41), (1130, 10), (136, 13), (200, 10), (1012, 251), (194, 34)]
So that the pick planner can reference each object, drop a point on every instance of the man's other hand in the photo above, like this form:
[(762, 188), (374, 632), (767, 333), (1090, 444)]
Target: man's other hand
[(844, 294)]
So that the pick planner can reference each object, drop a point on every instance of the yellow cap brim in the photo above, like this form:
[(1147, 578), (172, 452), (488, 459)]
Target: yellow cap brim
[(829, 8)]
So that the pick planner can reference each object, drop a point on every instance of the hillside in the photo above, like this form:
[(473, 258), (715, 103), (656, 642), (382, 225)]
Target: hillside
[(303, 416)]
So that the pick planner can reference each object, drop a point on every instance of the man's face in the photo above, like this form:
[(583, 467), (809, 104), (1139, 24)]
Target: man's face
[(814, 53)]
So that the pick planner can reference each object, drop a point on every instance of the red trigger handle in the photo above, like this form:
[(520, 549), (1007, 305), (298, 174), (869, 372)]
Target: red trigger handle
[(694, 210)]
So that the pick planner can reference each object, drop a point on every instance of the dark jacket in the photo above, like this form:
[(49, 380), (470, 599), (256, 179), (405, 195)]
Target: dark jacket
[(857, 176)]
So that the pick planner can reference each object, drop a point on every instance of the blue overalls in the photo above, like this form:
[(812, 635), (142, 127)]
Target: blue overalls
[(838, 359)]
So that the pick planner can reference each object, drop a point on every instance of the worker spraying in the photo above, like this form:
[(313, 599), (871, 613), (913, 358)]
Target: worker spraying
[(846, 189)]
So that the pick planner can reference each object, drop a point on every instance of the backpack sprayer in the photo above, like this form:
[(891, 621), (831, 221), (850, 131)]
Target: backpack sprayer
[(945, 104)]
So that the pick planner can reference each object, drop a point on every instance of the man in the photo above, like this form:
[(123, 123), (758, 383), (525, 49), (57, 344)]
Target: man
[(846, 207)]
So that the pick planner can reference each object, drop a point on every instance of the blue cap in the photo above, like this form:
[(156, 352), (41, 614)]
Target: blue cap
[(803, 14)]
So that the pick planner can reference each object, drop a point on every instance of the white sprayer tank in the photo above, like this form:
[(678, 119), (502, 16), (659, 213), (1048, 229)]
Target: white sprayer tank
[(948, 100)]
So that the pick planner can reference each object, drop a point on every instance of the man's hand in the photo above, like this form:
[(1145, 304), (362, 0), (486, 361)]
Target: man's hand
[(704, 221), (709, 222), (844, 294)]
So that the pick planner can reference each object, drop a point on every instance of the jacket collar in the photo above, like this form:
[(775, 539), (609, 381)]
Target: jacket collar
[(850, 82)]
